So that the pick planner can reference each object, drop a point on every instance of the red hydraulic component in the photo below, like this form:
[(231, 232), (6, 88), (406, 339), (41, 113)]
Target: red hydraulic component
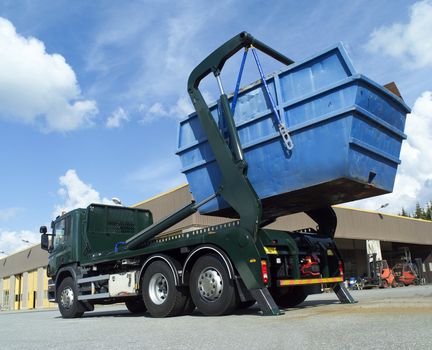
[(309, 266)]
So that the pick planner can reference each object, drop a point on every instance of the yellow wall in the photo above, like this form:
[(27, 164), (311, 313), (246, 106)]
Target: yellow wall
[(32, 288), (18, 291), (32, 292)]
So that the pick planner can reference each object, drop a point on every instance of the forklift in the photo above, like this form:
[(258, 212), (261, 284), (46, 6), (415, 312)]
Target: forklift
[(405, 271), (379, 274)]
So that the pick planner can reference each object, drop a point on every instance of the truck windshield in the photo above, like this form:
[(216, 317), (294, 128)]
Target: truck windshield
[(59, 231)]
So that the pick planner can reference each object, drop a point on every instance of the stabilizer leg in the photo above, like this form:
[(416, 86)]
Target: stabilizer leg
[(266, 302), (343, 294)]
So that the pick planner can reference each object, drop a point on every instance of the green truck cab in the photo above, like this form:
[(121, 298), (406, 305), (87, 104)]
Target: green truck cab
[(88, 235)]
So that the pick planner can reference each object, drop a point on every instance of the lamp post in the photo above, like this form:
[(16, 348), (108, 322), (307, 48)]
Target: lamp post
[(116, 201), (27, 241), (383, 206)]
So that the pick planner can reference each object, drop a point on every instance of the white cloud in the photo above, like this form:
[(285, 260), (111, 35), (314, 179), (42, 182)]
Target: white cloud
[(37, 87), (76, 193), (8, 213), (161, 63), (13, 241), (157, 111), (181, 109), (117, 118), (157, 177), (414, 179), (410, 42)]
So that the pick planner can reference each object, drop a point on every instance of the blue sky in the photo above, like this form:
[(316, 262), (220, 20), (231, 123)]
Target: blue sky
[(91, 92)]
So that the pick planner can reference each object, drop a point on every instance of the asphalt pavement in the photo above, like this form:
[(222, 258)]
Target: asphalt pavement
[(399, 318)]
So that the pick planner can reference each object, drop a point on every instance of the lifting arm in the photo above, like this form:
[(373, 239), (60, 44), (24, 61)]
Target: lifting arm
[(235, 186)]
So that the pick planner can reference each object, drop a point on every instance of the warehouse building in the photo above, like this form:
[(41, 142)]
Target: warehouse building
[(23, 280), (24, 284)]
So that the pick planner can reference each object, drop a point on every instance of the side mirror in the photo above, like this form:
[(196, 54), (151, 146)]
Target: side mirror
[(45, 241), (43, 229)]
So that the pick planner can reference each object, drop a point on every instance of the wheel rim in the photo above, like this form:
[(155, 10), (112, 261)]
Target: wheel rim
[(158, 288), (210, 284), (67, 297)]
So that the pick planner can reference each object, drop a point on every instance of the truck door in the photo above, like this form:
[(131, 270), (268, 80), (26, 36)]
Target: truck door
[(62, 242)]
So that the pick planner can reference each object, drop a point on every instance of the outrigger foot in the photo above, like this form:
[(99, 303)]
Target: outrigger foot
[(343, 294), (265, 302)]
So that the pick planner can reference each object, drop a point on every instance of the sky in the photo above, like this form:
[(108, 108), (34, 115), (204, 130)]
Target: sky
[(91, 92)]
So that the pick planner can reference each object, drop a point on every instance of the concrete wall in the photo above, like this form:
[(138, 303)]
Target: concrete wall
[(24, 300), (360, 224), (12, 293), (40, 288), (25, 260)]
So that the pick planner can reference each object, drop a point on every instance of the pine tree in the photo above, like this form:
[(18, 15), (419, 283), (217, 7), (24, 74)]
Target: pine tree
[(418, 212), (428, 211), (403, 212)]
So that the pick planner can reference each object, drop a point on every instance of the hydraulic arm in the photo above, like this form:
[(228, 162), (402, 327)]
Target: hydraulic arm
[(235, 186)]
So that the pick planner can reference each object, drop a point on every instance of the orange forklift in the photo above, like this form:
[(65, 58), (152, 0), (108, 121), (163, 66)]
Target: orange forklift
[(405, 271), (379, 274)]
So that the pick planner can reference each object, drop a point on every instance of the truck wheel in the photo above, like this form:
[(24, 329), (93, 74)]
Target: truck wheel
[(246, 304), (68, 304), (161, 296), (211, 288), (136, 306), (289, 297)]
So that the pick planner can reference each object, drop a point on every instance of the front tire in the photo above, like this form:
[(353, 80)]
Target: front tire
[(68, 304), (161, 296), (211, 288)]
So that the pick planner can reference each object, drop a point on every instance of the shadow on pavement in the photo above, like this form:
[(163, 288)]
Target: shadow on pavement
[(111, 313), (251, 311)]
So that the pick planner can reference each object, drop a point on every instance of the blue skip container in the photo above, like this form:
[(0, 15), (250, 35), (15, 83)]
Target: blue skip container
[(347, 132)]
